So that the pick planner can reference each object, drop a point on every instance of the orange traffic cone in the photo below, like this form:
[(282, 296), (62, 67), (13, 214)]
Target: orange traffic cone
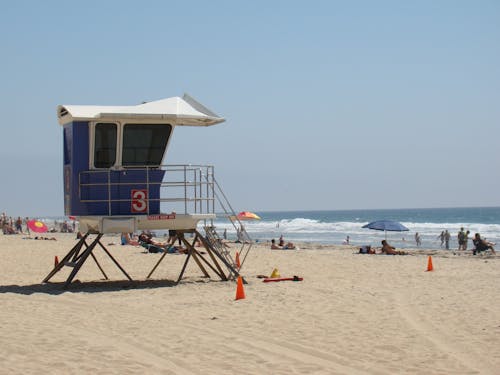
[(56, 261), (240, 292), (429, 264), (238, 260)]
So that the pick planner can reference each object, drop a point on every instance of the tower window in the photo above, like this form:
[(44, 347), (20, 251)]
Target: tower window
[(105, 145), (144, 144)]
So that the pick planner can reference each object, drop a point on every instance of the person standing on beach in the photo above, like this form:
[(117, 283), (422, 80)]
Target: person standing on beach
[(19, 224), (466, 240), (441, 237), (460, 238), (447, 239), (418, 240)]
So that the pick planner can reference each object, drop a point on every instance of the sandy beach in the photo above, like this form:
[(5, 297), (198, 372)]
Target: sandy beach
[(352, 314)]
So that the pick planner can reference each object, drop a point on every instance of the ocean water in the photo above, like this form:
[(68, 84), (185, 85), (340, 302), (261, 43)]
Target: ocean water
[(332, 227)]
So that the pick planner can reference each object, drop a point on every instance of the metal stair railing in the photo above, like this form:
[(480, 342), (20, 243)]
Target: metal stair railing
[(228, 212), (216, 242)]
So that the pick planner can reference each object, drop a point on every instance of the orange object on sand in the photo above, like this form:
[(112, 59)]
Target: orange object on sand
[(238, 260), (429, 264), (240, 292), (56, 261)]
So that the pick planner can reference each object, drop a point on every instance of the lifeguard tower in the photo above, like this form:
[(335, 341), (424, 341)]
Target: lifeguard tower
[(115, 181)]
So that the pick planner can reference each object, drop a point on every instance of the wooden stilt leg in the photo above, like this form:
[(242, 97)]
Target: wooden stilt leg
[(197, 256), (76, 259), (114, 260), (191, 253), (98, 265), (81, 260), (220, 274), (214, 260), (184, 267), (157, 264), (71, 254)]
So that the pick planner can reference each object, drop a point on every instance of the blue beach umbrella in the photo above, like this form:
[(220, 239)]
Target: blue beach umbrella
[(386, 225)]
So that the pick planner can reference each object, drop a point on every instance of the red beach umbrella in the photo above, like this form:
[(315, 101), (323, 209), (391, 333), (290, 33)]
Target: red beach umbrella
[(246, 215), (37, 226)]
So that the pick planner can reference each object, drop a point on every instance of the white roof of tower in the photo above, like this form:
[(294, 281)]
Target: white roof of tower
[(175, 110)]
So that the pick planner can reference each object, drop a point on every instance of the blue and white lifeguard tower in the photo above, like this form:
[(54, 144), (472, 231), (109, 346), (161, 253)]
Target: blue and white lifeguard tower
[(115, 179)]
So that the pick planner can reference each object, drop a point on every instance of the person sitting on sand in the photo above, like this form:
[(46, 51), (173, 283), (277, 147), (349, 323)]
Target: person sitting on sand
[(146, 241), (274, 246), (7, 229), (390, 250), (177, 250), (481, 245), (366, 250), (282, 241), (289, 246), (127, 240)]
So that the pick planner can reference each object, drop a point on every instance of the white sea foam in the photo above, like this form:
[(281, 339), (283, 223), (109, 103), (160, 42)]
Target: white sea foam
[(310, 230)]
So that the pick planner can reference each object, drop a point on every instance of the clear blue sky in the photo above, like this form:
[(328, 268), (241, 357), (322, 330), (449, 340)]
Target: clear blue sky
[(329, 104)]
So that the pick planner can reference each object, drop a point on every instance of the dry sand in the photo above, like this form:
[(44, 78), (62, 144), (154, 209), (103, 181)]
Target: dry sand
[(352, 314)]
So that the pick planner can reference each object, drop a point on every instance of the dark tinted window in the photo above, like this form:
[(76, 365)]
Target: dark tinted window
[(144, 144), (105, 145), (67, 145)]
